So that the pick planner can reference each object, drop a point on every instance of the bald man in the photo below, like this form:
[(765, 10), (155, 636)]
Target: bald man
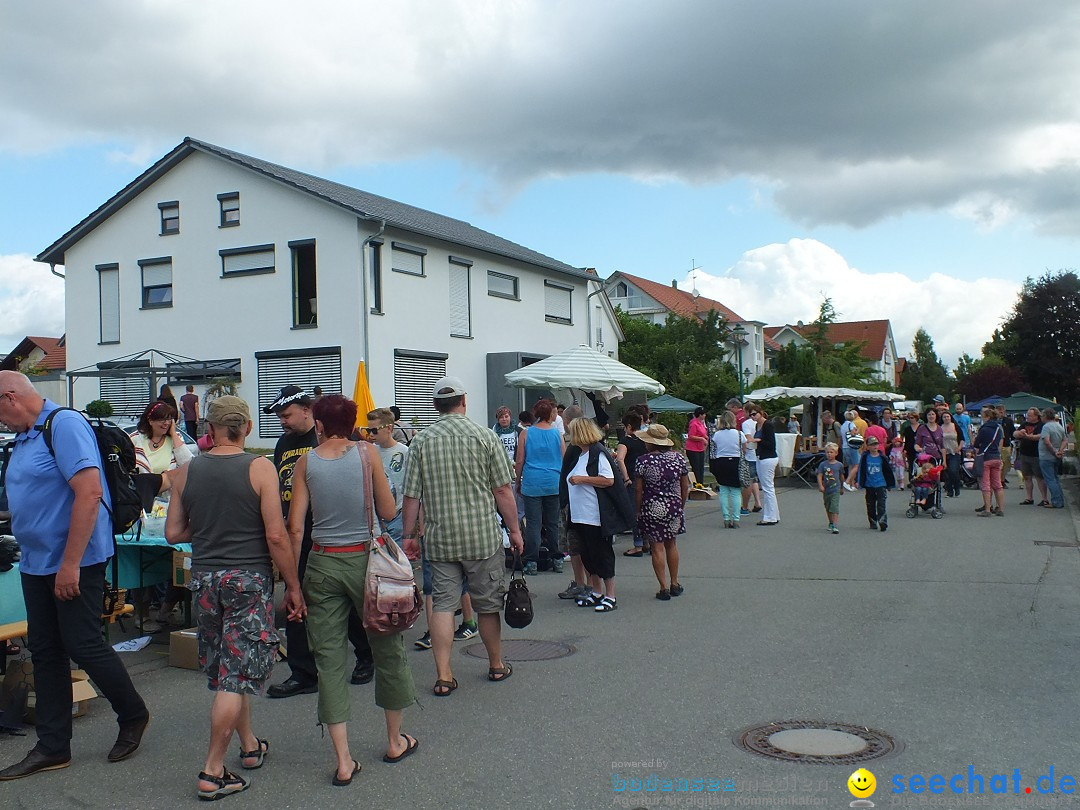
[(58, 503)]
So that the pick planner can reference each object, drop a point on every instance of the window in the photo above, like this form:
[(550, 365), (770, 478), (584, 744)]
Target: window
[(460, 317), (415, 375), (407, 259), (305, 304), (620, 290), (230, 209), (557, 302), (157, 292), (109, 302), (247, 261), (502, 286), (170, 217), (304, 367), (126, 386), (375, 277)]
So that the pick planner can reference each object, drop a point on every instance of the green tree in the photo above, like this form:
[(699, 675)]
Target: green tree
[(798, 365), (925, 375), (987, 376), (1041, 337)]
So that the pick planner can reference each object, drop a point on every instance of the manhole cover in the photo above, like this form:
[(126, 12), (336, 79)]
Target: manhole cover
[(816, 742), (523, 649)]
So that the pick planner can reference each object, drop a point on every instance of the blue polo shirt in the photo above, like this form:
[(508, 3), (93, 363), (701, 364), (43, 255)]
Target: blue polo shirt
[(40, 498), (964, 422)]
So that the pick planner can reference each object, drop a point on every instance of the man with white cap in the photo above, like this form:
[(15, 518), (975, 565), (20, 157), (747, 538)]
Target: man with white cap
[(461, 473)]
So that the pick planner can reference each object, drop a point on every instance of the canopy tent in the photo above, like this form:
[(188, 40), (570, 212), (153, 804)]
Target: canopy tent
[(974, 407), (584, 369), (670, 403), (818, 395), (1021, 401)]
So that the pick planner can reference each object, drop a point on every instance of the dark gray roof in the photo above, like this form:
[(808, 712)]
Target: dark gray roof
[(365, 205)]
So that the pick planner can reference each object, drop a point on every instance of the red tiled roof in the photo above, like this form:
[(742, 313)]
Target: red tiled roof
[(55, 353), (770, 343), (681, 302), (873, 334)]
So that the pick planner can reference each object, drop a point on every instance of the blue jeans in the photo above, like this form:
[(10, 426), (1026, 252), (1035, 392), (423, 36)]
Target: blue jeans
[(541, 511), (1053, 486)]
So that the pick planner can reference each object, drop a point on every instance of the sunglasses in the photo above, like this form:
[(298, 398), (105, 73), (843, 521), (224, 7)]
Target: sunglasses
[(370, 430)]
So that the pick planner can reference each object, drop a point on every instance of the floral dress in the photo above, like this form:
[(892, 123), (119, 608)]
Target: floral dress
[(662, 514)]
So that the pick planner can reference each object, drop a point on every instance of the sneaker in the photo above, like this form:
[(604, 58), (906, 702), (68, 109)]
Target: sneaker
[(557, 565), (744, 511), (572, 591), (530, 569), (981, 509), (424, 642), (465, 631), (997, 511), (883, 526), (834, 530), (873, 525), (982, 513)]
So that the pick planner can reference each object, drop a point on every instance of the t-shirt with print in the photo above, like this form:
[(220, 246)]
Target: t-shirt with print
[(1028, 447), (393, 461), (290, 448), (875, 476), (832, 473), (509, 437)]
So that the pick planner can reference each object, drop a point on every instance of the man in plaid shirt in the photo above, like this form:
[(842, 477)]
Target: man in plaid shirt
[(461, 473)]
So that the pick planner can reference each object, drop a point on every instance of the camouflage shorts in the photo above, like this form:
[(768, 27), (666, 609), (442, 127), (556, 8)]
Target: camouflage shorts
[(235, 619)]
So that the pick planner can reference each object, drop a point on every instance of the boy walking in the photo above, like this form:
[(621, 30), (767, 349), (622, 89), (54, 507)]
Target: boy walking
[(830, 474), (876, 477)]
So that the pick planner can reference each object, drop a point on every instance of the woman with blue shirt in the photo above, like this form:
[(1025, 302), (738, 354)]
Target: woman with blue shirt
[(539, 459)]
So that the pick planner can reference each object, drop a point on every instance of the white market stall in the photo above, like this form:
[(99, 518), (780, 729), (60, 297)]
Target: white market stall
[(818, 395)]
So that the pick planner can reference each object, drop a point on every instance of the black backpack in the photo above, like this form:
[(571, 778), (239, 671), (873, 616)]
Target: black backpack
[(519, 608)]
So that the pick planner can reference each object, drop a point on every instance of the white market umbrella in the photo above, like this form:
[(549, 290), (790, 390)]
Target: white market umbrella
[(585, 369)]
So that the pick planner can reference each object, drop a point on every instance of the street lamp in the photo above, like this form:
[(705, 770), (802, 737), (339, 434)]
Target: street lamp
[(739, 333)]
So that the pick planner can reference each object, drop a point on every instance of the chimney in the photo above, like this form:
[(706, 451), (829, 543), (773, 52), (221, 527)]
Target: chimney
[(674, 285)]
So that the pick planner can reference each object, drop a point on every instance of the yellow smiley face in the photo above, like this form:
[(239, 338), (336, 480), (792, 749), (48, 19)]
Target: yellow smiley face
[(862, 784)]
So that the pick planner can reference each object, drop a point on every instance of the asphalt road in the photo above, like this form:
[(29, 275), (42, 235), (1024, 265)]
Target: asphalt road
[(957, 636)]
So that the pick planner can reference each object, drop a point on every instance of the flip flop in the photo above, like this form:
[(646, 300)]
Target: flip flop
[(227, 785), (259, 754), (633, 553), (411, 744), (444, 688), (337, 782), (500, 674), (12, 649)]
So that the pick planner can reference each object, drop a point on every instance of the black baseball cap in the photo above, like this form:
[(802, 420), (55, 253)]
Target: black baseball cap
[(289, 395)]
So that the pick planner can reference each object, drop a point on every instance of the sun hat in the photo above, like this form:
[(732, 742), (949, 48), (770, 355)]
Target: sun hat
[(655, 434)]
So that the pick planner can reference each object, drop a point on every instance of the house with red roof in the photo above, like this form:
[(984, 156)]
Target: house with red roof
[(876, 337), (44, 361), (654, 301)]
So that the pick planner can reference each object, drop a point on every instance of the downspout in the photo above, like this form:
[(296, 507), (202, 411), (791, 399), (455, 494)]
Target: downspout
[(588, 311), (52, 269), (365, 281)]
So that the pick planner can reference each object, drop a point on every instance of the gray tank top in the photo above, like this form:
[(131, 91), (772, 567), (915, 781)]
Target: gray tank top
[(337, 491), (225, 516)]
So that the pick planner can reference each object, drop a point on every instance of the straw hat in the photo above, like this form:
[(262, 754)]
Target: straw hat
[(656, 434)]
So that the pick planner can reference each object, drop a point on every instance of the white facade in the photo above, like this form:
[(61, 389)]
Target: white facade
[(445, 313)]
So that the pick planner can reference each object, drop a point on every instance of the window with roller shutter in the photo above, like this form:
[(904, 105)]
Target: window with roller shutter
[(157, 283), (303, 367), (129, 390), (415, 375), (407, 259), (247, 261), (557, 305), (459, 310), (109, 302)]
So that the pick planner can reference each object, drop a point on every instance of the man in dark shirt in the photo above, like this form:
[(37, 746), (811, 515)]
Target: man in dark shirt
[(1028, 456), (293, 409), (189, 408)]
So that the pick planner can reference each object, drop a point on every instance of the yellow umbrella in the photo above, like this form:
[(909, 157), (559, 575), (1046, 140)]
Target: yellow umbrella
[(362, 396)]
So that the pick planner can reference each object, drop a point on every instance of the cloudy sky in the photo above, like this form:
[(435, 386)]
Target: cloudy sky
[(914, 160)]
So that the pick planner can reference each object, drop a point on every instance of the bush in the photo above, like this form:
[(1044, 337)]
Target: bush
[(99, 408)]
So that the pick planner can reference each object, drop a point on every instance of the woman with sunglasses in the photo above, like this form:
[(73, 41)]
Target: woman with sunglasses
[(158, 446)]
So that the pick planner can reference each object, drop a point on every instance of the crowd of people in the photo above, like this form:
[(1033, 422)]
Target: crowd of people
[(457, 497)]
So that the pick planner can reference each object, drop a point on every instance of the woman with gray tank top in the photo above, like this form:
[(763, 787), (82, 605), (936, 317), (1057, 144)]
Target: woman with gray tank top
[(331, 479)]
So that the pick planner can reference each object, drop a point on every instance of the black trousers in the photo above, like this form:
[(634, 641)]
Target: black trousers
[(697, 464), (597, 553), (192, 429), (875, 504), (301, 660), (60, 632)]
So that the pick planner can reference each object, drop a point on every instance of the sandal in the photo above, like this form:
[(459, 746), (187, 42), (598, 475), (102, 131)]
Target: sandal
[(411, 744), (444, 688), (1044, 503), (259, 754), (12, 649), (227, 785), (339, 782), (1027, 502), (588, 600), (633, 552), (499, 674), (664, 595), (605, 605), (677, 590)]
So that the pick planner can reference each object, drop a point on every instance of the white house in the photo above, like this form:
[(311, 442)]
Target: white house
[(878, 348), (653, 301), (284, 277)]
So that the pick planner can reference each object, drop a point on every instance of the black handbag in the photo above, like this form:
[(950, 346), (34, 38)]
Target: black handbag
[(519, 607)]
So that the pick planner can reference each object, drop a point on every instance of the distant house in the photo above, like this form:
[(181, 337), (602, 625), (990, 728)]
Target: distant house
[(876, 337), (282, 277), (653, 301), (44, 360)]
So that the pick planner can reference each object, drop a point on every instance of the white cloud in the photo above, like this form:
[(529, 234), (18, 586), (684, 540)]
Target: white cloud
[(850, 112), (33, 300), (785, 283)]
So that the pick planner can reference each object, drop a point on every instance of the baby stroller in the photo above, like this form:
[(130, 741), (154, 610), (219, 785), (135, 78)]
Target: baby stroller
[(926, 489), (967, 470)]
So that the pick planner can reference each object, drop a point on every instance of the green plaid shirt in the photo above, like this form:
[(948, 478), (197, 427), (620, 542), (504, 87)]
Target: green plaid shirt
[(453, 467)]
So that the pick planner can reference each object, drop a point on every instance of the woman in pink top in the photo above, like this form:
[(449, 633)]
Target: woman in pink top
[(697, 442)]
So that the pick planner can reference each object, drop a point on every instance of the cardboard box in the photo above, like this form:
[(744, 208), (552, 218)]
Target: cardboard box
[(184, 649), (181, 563), (21, 673)]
